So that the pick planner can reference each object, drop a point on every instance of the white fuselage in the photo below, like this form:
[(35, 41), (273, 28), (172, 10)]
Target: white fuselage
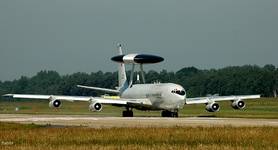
[(163, 96)]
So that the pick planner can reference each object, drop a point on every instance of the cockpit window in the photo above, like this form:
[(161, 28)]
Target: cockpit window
[(179, 92)]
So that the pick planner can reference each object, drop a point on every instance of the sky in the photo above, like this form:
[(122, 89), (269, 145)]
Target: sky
[(71, 36)]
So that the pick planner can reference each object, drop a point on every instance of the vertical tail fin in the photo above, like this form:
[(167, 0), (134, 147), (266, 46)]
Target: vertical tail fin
[(123, 84)]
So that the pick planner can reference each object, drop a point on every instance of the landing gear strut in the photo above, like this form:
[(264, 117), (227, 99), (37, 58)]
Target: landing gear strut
[(166, 113), (127, 113)]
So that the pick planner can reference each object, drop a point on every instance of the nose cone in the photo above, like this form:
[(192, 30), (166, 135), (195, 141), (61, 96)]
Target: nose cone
[(147, 59), (118, 58)]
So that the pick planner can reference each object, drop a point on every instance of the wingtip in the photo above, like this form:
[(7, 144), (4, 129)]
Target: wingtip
[(80, 86), (8, 95)]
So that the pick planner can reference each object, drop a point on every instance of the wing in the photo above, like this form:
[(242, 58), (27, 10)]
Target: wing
[(102, 100), (205, 100)]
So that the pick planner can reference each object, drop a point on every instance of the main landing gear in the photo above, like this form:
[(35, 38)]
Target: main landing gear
[(128, 113), (166, 113)]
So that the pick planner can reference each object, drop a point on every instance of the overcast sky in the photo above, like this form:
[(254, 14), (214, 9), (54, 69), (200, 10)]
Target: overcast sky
[(81, 35)]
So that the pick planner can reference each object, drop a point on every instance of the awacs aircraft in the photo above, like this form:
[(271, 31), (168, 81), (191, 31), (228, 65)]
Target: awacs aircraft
[(166, 97)]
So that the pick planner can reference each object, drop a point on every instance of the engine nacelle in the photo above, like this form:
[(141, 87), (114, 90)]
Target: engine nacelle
[(55, 104), (95, 107), (238, 104), (212, 107)]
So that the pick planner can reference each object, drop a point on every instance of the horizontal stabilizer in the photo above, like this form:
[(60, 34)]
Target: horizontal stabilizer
[(99, 89)]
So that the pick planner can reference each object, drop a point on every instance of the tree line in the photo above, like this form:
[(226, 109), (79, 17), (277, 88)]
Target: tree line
[(234, 80)]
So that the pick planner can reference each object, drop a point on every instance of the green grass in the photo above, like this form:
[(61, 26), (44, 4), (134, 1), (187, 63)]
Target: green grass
[(47, 137), (35, 137), (262, 108)]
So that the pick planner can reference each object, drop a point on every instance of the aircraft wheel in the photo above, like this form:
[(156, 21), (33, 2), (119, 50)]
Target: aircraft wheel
[(166, 113), (130, 113), (127, 113), (175, 114)]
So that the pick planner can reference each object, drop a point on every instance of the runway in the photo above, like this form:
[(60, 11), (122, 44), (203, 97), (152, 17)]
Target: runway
[(109, 122)]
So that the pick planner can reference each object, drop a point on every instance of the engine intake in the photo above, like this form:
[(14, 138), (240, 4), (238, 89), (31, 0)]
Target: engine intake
[(55, 104), (95, 107), (212, 107), (238, 104)]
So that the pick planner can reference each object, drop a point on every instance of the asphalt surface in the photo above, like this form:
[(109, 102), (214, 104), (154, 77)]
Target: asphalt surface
[(108, 122)]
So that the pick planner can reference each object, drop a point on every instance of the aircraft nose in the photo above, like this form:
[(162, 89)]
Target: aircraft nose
[(118, 58)]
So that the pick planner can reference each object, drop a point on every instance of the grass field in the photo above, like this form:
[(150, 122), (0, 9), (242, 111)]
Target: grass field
[(34, 137), (262, 108), (47, 137)]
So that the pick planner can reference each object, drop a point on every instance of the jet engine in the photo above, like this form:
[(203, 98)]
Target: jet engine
[(95, 107), (238, 104), (55, 104), (212, 107)]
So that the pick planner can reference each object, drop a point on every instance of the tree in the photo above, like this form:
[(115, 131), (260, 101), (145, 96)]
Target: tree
[(233, 80)]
